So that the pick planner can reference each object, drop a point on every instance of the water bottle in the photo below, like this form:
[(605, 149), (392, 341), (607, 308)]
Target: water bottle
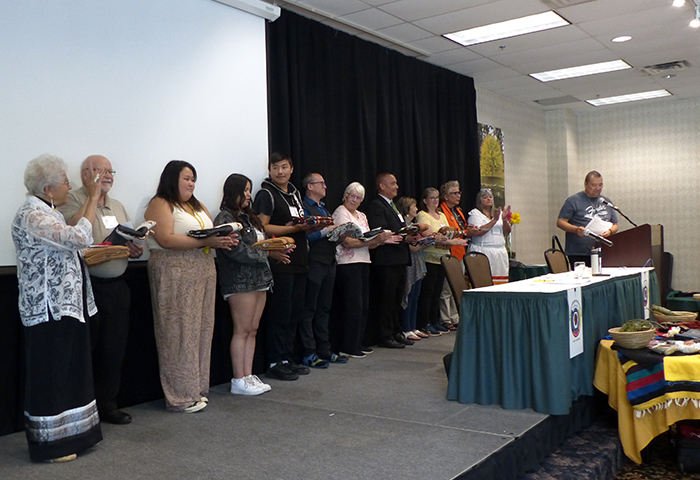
[(596, 261)]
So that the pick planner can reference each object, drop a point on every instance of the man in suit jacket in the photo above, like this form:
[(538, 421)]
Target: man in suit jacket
[(388, 269)]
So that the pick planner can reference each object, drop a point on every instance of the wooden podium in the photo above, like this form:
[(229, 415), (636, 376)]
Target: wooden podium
[(635, 247)]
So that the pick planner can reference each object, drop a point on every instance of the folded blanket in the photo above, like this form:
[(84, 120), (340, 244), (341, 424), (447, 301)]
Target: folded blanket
[(656, 385)]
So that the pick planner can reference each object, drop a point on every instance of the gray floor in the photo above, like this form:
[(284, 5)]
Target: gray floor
[(384, 416)]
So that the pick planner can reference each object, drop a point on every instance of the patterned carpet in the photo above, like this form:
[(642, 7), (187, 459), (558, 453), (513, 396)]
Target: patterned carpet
[(659, 463), (595, 453)]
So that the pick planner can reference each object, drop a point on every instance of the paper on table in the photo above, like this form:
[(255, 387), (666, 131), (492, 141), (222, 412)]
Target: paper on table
[(598, 226)]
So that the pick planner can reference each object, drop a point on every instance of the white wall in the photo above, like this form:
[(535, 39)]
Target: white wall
[(648, 153), (139, 81), (525, 153)]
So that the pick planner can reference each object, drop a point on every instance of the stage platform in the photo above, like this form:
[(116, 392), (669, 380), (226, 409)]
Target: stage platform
[(384, 416)]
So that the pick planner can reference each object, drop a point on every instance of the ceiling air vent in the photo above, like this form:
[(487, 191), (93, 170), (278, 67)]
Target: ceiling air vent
[(665, 68), (550, 102), (564, 3)]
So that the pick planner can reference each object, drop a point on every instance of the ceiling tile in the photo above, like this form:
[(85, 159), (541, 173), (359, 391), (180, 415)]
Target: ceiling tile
[(521, 43), (478, 65), (405, 32), (487, 77), (452, 56), (435, 45), (333, 8), (660, 34), (480, 15), (373, 19), (411, 10), (607, 9)]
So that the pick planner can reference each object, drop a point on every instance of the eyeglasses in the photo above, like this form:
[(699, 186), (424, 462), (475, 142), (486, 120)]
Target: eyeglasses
[(455, 193), (65, 182), (111, 172), (432, 198), (315, 183), (352, 196)]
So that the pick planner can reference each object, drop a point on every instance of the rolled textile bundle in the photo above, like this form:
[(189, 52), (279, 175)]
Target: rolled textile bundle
[(104, 253), (277, 243)]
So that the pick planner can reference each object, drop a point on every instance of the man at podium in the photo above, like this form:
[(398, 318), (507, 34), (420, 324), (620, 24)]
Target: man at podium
[(586, 211)]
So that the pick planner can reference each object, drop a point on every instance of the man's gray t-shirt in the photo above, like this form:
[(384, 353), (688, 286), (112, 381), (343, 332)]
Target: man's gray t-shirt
[(579, 209)]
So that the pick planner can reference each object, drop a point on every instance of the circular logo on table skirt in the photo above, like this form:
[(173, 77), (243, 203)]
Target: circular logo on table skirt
[(575, 319), (645, 292)]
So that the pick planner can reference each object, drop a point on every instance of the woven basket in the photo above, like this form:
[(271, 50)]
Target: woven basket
[(632, 339), (679, 317)]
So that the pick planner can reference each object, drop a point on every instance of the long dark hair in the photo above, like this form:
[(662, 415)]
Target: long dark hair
[(168, 187), (234, 196)]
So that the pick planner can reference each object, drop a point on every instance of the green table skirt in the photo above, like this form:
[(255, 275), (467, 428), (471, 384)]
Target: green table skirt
[(527, 271), (684, 304), (512, 349)]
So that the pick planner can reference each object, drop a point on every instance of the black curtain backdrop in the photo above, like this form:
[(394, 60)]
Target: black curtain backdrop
[(349, 109)]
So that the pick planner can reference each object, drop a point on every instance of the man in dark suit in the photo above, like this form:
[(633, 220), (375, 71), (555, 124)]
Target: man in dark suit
[(388, 269)]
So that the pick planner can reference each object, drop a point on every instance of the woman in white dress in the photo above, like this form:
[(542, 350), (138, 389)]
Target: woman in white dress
[(490, 239)]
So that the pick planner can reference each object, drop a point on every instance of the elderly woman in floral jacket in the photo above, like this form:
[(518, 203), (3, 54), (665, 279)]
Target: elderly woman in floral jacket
[(244, 279), (55, 300)]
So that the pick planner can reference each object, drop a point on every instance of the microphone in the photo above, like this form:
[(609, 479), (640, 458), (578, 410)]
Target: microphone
[(609, 204), (598, 238)]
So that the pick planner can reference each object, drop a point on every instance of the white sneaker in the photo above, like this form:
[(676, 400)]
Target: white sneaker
[(241, 386), (256, 381)]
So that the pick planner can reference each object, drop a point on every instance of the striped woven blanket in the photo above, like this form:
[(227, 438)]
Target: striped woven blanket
[(657, 381)]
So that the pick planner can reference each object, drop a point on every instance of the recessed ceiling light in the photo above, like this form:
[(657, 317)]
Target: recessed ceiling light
[(678, 3), (621, 39), (580, 71), (507, 29), (633, 97)]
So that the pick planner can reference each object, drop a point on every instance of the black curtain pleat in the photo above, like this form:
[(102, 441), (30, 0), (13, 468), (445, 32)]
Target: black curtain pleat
[(348, 109)]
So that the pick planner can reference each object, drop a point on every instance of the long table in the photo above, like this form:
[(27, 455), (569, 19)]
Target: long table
[(512, 345)]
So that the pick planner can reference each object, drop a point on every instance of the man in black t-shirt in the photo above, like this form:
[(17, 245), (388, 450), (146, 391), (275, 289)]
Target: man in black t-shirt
[(276, 203)]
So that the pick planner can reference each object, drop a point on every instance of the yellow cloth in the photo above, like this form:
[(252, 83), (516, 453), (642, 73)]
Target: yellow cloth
[(682, 369), (635, 432)]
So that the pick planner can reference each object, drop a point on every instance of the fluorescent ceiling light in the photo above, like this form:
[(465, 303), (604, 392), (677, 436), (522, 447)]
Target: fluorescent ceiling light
[(633, 97), (621, 39), (507, 29), (580, 71)]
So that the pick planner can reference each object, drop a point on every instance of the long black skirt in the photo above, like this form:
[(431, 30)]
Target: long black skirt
[(60, 412)]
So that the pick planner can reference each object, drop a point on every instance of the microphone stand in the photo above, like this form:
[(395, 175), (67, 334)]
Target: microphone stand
[(619, 211)]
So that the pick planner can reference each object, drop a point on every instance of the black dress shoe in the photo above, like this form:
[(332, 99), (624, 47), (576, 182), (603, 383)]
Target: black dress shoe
[(298, 369), (116, 417), (281, 371), (390, 343), (402, 339)]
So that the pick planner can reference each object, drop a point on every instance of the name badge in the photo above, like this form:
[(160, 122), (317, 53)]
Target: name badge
[(110, 221), (295, 212)]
